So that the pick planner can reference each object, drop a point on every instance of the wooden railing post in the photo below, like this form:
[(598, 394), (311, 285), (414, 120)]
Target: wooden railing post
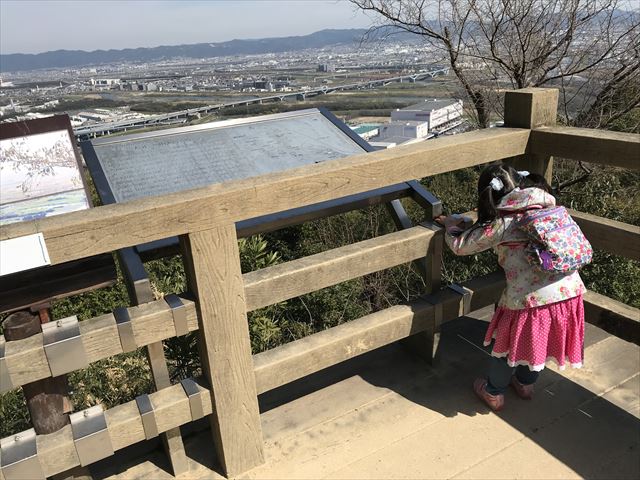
[(212, 262), (532, 108)]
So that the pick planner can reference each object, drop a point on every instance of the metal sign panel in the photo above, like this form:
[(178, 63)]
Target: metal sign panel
[(167, 161)]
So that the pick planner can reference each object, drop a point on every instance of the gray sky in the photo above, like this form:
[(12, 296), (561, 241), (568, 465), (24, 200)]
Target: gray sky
[(34, 26)]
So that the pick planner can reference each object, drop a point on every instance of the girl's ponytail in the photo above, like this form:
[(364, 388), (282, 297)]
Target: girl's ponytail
[(494, 183), (487, 210)]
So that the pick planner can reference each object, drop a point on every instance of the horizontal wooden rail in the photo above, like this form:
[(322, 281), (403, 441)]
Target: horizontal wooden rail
[(310, 354), (609, 235), (112, 227), (280, 282), (612, 316), (152, 322), (595, 146), (57, 453)]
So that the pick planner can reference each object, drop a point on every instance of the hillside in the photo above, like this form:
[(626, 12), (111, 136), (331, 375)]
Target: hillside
[(75, 58)]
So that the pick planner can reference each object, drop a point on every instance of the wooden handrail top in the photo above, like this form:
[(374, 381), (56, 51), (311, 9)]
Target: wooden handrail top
[(108, 228), (604, 147)]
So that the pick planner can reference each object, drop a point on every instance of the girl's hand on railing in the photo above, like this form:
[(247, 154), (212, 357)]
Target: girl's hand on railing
[(454, 224)]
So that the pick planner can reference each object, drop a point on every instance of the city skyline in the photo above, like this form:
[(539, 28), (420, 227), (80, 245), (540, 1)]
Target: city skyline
[(37, 26)]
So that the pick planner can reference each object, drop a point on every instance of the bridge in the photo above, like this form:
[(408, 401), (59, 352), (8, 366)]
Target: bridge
[(181, 116), (346, 402)]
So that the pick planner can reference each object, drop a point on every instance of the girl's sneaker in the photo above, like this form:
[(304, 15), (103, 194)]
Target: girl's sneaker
[(524, 391), (494, 402)]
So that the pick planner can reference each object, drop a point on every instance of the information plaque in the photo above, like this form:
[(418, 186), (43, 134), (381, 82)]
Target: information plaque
[(40, 170), (41, 176), (177, 159)]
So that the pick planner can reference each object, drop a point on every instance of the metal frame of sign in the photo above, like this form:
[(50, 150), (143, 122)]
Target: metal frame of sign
[(132, 257), (266, 223)]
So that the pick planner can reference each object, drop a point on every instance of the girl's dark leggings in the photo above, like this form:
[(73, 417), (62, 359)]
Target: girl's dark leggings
[(500, 375)]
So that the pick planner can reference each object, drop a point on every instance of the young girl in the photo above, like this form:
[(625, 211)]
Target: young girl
[(540, 314)]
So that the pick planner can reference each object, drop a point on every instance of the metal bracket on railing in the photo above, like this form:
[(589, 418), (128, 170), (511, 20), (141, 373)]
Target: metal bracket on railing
[(465, 308), (63, 346), (91, 435), (427, 200), (195, 399), (5, 378), (436, 227), (19, 457), (179, 312), (148, 415), (125, 329)]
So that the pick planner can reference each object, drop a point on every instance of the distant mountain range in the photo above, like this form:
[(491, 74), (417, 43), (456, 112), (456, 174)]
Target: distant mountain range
[(78, 58)]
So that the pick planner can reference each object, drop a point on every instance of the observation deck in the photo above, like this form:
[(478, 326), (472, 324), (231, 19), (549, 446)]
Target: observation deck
[(350, 401), (388, 414)]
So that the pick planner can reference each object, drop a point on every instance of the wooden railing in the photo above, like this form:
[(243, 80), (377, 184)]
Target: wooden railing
[(205, 221)]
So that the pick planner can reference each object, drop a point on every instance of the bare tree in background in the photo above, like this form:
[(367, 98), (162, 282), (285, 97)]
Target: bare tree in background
[(590, 49)]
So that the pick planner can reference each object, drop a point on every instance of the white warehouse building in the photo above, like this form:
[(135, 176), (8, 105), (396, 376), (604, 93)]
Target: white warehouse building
[(420, 121), (437, 113), (407, 129)]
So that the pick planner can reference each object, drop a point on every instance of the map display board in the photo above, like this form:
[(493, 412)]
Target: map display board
[(40, 171), (156, 163)]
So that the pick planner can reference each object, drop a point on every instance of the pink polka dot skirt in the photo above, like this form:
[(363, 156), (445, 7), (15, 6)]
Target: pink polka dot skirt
[(532, 336)]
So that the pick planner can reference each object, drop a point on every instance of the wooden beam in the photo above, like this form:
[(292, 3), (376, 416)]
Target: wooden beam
[(612, 316), (276, 221), (486, 290), (152, 322), (212, 262), (297, 359), (280, 282), (603, 147), (111, 227), (57, 452), (532, 108), (614, 237)]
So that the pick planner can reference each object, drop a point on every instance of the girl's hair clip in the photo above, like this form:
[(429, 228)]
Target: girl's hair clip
[(523, 173), (496, 184)]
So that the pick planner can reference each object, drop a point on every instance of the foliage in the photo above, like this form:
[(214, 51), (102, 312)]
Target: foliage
[(612, 193), (112, 381), (14, 416), (254, 254)]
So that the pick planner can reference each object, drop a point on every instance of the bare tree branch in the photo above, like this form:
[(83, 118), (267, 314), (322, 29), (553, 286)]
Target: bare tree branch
[(589, 48)]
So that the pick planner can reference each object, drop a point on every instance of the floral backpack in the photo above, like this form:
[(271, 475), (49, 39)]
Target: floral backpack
[(556, 243)]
